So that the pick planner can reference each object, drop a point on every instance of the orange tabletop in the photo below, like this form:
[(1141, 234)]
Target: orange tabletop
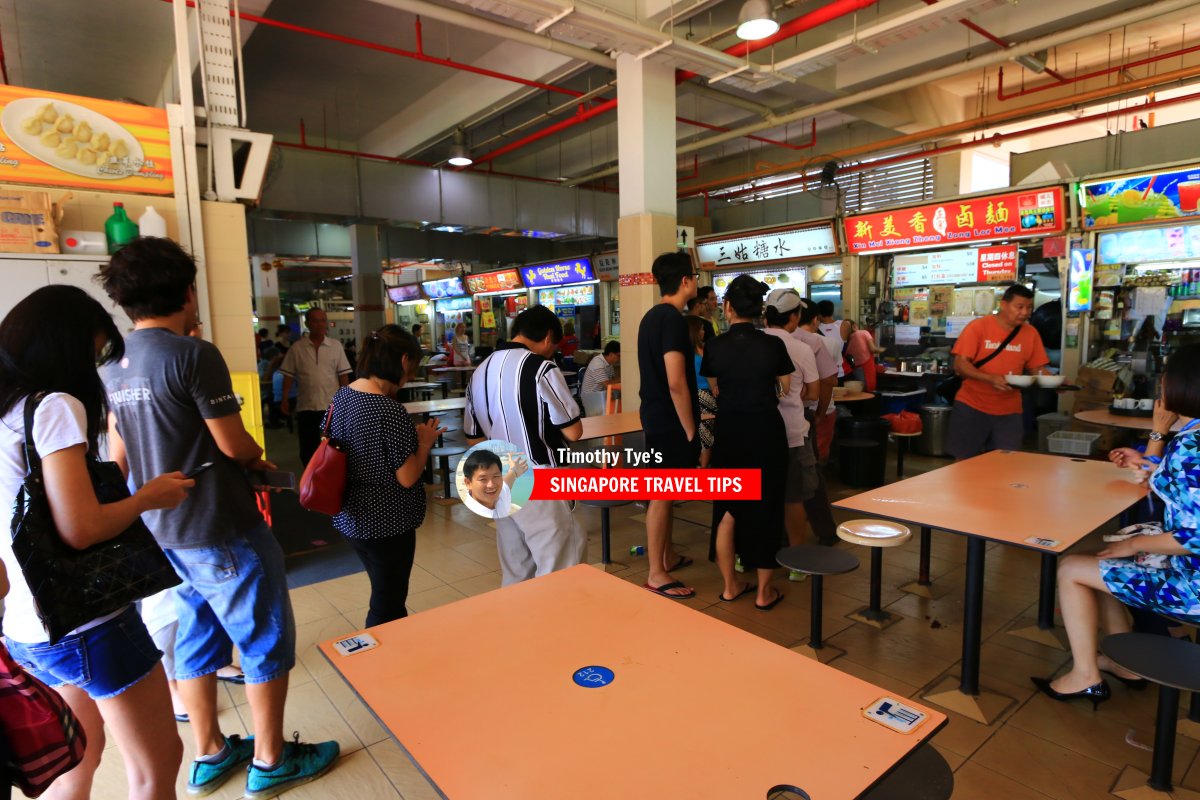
[(616, 424), (1102, 416), (1009, 497), (480, 693), (443, 404)]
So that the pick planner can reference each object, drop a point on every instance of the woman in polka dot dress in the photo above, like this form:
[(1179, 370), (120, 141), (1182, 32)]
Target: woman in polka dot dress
[(385, 455)]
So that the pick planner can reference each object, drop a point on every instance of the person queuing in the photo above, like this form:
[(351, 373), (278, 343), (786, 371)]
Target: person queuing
[(708, 403), (670, 409), (783, 317), (596, 378), (108, 670), (319, 365), (459, 347), (1159, 573), (748, 371), (519, 396), (384, 501), (987, 410), (172, 404), (835, 331)]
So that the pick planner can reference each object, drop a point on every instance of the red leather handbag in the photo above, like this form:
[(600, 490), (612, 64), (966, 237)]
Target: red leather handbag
[(323, 484)]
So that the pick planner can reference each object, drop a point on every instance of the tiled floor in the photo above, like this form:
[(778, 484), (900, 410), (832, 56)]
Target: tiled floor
[(1037, 749)]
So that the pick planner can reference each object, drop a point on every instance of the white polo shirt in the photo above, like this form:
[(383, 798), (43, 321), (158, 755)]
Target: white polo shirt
[(316, 370)]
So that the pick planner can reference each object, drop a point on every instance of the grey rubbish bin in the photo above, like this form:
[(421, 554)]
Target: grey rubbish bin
[(935, 423)]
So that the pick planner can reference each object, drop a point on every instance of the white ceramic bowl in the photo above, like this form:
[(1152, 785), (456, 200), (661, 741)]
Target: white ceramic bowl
[(1050, 381), (853, 387), (1019, 380)]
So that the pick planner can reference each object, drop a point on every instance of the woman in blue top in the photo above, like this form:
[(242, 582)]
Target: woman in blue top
[(1092, 589), (708, 403)]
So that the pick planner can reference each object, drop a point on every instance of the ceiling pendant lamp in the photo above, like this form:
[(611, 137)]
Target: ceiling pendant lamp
[(459, 155), (756, 20)]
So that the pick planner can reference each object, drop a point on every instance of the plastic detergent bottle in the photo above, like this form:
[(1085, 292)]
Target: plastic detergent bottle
[(151, 223), (119, 229)]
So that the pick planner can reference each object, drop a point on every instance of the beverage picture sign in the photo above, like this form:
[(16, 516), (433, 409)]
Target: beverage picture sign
[(1015, 215), (54, 139), (973, 265), (1147, 197), (1144, 245), (502, 281), (577, 270)]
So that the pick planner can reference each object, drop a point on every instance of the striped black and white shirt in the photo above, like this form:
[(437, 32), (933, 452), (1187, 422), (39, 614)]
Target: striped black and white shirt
[(519, 397), (598, 370)]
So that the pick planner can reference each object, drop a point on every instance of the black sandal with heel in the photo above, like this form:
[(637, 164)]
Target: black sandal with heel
[(1097, 693)]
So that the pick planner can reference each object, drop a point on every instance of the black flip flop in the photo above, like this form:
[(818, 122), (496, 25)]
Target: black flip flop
[(750, 587), (683, 561), (662, 590), (772, 604)]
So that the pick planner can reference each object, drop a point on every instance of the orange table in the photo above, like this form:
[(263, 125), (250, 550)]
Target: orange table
[(481, 696), (612, 404), (1003, 497), (1102, 416)]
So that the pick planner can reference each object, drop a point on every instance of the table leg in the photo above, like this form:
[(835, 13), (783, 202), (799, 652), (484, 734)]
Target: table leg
[(605, 538), (815, 640), (900, 446), (1044, 631), (922, 586), (964, 695), (1164, 738)]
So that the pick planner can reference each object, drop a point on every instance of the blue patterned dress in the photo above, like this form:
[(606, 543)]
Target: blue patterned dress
[(1174, 590)]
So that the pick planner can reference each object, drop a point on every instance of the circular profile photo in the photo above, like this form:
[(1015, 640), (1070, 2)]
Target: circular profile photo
[(494, 479)]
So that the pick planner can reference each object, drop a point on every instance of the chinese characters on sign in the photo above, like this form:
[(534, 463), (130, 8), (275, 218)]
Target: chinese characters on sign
[(1017, 214), (974, 265), (494, 281), (777, 246), (577, 270), (607, 266)]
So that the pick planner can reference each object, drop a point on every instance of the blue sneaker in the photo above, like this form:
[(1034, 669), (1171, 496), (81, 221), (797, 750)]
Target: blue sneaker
[(207, 776), (301, 763)]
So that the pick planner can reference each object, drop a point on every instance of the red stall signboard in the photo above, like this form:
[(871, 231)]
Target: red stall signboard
[(1035, 212), (494, 281)]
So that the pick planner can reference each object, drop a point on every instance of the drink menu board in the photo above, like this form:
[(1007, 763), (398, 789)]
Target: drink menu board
[(576, 270), (975, 265), (1140, 198), (447, 287), (567, 296), (502, 281)]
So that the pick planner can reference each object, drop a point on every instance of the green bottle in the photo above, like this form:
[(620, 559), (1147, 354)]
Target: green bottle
[(119, 229)]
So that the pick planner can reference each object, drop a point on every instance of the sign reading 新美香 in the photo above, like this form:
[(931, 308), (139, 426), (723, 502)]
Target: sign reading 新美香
[(1015, 215), (53, 139), (575, 270)]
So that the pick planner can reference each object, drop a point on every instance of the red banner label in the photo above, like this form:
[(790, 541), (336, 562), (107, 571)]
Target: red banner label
[(998, 263), (494, 281), (1036, 212), (646, 484)]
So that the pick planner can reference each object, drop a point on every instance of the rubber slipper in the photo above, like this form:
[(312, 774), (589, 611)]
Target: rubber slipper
[(772, 604), (663, 590), (239, 678), (750, 587), (683, 561), (182, 718)]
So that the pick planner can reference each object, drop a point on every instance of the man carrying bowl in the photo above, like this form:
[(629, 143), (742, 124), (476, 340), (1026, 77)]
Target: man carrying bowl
[(992, 354)]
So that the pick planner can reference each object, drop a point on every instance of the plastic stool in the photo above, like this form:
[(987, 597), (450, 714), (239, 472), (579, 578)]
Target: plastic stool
[(924, 775), (818, 562), (875, 534), (605, 531), (443, 456), (1174, 664)]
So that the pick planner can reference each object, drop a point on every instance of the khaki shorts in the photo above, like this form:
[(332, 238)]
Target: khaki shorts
[(802, 479)]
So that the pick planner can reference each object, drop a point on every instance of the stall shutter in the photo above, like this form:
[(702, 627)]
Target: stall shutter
[(886, 187)]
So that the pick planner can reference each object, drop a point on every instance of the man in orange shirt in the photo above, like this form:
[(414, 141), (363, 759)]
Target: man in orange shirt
[(987, 410)]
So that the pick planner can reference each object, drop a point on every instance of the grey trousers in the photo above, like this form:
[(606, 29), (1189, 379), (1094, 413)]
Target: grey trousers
[(973, 432), (542, 537)]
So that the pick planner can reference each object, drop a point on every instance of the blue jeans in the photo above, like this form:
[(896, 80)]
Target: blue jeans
[(235, 593), (103, 661)]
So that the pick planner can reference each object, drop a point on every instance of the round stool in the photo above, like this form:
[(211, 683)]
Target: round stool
[(924, 775), (443, 456), (818, 562), (1174, 664), (445, 429), (605, 531), (903, 445), (876, 534)]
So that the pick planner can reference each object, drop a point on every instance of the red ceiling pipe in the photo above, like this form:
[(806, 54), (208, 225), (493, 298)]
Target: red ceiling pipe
[(1000, 94), (395, 51), (950, 148), (580, 116), (777, 143), (336, 151), (996, 40)]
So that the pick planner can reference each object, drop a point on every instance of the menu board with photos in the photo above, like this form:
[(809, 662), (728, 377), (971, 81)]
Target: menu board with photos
[(567, 296), (447, 287), (405, 293), (502, 281)]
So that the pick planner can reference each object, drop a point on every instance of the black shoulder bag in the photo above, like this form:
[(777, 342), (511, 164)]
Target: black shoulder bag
[(949, 388), (73, 587)]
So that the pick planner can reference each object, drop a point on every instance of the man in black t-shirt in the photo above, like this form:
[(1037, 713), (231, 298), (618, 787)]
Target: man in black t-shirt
[(670, 409)]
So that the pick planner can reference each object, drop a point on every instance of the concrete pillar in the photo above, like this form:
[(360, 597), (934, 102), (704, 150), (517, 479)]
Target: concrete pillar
[(646, 228), (366, 282), (266, 291)]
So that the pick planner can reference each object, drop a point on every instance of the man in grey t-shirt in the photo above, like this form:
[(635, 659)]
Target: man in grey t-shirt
[(172, 402)]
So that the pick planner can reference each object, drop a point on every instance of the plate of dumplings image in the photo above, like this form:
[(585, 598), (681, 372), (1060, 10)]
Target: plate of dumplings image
[(72, 138)]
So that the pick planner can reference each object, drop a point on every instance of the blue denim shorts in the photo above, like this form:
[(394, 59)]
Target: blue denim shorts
[(103, 661), (235, 593)]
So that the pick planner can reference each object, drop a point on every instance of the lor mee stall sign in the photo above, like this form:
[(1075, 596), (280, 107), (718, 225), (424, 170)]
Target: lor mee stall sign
[(1014, 215)]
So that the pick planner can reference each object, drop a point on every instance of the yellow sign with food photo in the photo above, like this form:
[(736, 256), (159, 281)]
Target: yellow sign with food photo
[(53, 139)]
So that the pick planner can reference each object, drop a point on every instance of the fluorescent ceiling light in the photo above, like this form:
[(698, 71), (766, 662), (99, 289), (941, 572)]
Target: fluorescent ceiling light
[(756, 20)]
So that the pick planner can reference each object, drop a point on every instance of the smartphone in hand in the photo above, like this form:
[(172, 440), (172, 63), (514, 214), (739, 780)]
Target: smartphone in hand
[(194, 471), (273, 479)]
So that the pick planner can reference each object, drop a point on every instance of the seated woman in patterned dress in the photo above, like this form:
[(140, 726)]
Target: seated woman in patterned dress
[(1159, 573)]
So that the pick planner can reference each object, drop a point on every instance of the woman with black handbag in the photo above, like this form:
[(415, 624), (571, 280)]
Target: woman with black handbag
[(107, 668)]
